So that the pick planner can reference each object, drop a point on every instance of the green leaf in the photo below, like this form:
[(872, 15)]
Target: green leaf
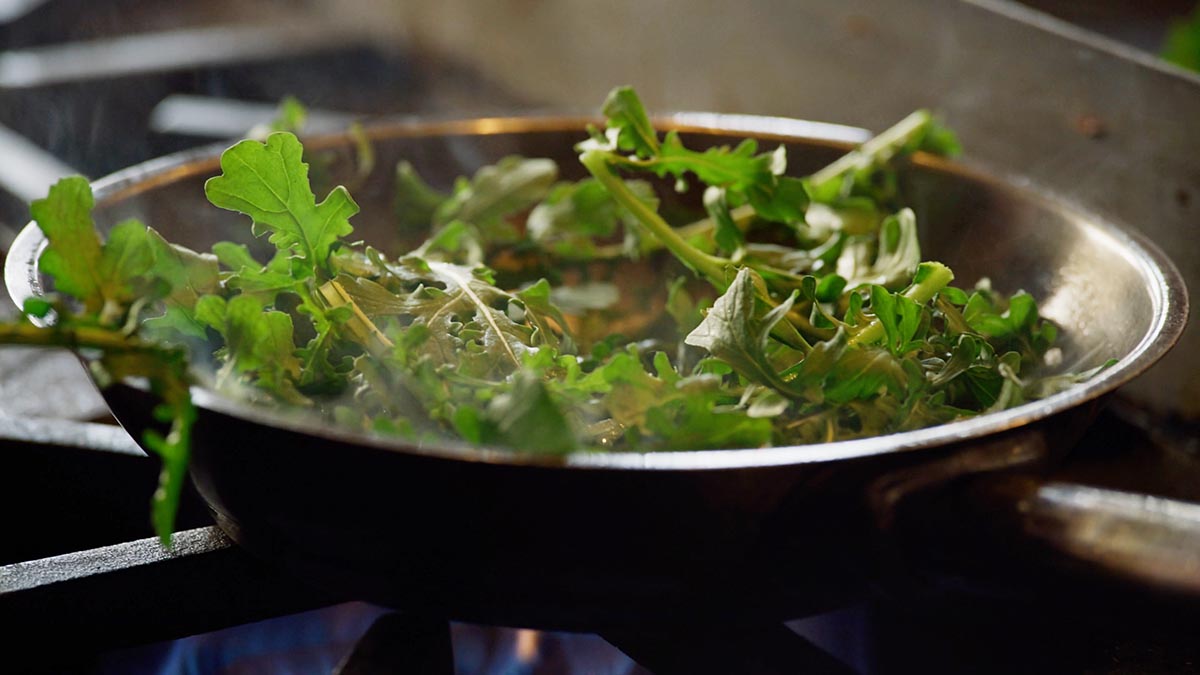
[(584, 208), (626, 117), (1048, 386), (683, 308), (1022, 311), (736, 332), (499, 191), (165, 370), (781, 200), (473, 324), (939, 139), (37, 307), (809, 376), (1182, 45), (529, 420), (883, 304), (737, 168), (291, 117), (189, 274), (72, 255), (467, 320), (234, 256), (258, 343), (415, 201), (694, 423), (865, 373), (126, 255), (727, 234), (535, 299), (830, 287), (575, 219), (954, 295), (458, 239), (896, 259), (269, 182), (252, 278), (984, 318)]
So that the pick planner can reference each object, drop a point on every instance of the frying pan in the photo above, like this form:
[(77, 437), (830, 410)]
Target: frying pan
[(592, 539)]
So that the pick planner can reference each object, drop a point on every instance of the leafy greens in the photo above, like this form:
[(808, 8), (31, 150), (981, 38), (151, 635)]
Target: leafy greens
[(809, 317)]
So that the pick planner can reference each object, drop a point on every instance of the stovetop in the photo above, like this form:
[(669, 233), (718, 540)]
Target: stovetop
[(79, 571), (82, 570)]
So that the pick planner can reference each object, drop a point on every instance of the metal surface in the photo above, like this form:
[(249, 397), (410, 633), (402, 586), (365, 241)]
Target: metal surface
[(171, 50), (1147, 545), (213, 117), (28, 171), (1150, 538), (513, 537), (60, 433), (1098, 124), (137, 592)]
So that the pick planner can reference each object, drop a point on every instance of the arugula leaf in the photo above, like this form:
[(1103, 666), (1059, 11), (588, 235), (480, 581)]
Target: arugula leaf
[(498, 191), (189, 274), (258, 342), (291, 117), (415, 201), (860, 168), (902, 318), (125, 256), (528, 419), (72, 256), (628, 121), (697, 421), (896, 253), (166, 371), (736, 169), (250, 277), (106, 277), (269, 182), (727, 234), (473, 323), (1182, 44), (737, 332)]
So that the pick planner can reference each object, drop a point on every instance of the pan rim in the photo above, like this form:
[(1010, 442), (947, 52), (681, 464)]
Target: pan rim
[(1162, 279)]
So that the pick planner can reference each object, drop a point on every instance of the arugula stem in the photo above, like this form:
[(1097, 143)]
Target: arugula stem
[(712, 267), (937, 278), (877, 149), (742, 216), (82, 337), (321, 324), (166, 370)]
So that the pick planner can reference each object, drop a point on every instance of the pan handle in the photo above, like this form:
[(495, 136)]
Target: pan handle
[(990, 512), (1147, 540)]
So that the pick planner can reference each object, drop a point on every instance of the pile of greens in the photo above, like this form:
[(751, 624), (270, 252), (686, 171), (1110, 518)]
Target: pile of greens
[(800, 312)]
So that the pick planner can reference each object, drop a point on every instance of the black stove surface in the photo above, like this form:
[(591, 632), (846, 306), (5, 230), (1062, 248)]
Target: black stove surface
[(113, 599)]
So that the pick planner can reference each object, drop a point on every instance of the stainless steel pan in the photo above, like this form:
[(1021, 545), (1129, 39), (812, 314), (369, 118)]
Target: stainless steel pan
[(589, 539)]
